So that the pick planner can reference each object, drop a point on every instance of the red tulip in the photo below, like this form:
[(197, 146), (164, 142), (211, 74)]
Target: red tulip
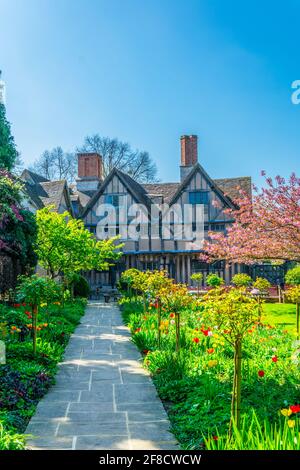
[(196, 340), (295, 408), (274, 358), (261, 373)]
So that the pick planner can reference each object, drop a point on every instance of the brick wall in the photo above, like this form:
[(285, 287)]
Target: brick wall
[(89, 165), (189, 150)]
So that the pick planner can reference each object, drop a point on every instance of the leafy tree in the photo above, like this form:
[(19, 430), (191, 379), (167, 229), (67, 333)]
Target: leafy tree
[(197, 277), (266, 227), (8, 151), (234, 313), (35, 290), (241, 280), (17, 226), (176, 297), (117, 154), (213, 280), (261, 284), (292, 277), (64, 246)]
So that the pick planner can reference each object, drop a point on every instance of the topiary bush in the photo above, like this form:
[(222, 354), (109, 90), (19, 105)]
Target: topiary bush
[(213, 280), (81, 287)]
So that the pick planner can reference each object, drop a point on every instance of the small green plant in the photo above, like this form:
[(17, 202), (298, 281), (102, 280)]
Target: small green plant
[(261, 284), (213, 280), (292, 277), (197, 277), (241, 280), (35, 290), (234, 313), (293, 294), (176, 297), (10, 440)]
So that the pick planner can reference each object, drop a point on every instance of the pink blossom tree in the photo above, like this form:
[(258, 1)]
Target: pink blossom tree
[(267, 225)]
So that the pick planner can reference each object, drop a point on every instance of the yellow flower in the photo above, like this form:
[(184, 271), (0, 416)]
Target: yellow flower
[(212, 363), (291, 423), (286, 412), (43, 304)]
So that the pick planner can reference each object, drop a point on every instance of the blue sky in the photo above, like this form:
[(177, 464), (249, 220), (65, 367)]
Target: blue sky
[(147, 71)]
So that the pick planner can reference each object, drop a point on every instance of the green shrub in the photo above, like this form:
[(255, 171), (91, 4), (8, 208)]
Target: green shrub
[(292, 277), (241, 280), (213, 280), (81, 287), (10, 440)]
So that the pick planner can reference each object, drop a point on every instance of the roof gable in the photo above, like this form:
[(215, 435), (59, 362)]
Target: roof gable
[(133, 187), (32, 178), (198, 168)]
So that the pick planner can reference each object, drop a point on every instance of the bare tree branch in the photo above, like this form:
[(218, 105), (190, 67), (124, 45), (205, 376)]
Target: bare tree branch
[(117, 154)]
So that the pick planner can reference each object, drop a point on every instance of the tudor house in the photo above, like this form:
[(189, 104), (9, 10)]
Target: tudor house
[(179, 256)]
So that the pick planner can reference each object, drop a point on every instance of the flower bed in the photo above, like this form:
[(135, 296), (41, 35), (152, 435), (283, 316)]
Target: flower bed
[(25, 377), (195, 383)]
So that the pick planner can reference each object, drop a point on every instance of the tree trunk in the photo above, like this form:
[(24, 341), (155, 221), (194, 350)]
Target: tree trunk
[(34, 326), (259, 310), (144, 302), (177, 324), (159, 323), (297, 319), (236, 389)]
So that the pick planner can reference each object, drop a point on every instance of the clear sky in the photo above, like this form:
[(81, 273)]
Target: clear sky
[(147, 71)]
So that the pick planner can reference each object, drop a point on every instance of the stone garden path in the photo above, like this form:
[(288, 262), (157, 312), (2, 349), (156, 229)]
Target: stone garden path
[(103, 398)]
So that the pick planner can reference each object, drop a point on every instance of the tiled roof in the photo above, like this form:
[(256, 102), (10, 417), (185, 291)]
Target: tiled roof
[(41, 191), (166, 190), (53, 193), (231, 186), (28, 175), (32, 192)]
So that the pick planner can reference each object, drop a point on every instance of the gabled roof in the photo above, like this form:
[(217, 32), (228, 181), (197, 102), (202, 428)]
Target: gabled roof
[(53, 192), (136, 189), (229, 186), (43, 192), (211, 183), (32, 178), (30, 191)]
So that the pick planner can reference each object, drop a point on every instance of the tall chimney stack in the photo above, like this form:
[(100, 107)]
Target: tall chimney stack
[(189, 154), (90, 172)]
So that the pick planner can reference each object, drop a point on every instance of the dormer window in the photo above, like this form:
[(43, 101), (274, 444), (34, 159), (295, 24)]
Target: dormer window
[(198, 197)]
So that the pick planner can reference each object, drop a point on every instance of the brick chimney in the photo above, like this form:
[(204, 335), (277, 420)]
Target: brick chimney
[(90, 173), (189, 154)]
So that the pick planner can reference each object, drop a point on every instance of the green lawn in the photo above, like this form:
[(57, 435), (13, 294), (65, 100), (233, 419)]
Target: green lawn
[(282, 315)]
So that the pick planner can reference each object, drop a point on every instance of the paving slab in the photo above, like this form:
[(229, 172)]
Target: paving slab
[(102, 399)]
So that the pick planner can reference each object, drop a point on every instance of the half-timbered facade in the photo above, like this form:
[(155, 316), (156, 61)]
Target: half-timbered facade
[(151, 248)]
